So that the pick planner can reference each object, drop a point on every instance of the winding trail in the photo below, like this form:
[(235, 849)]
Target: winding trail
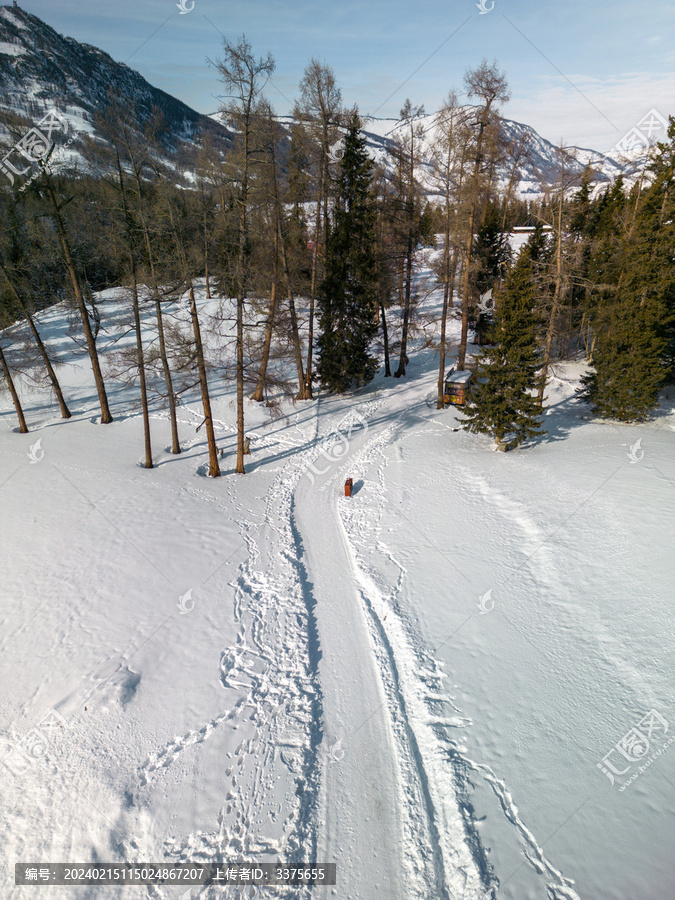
[(391, 828), (360, 800)]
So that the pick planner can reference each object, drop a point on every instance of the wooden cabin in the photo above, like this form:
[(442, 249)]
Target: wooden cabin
[(457, 387)]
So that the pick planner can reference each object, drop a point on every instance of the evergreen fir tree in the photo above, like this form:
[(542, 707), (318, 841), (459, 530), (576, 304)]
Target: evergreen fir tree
[(492, 254), (348, 295), (501, 401), (634, 337)]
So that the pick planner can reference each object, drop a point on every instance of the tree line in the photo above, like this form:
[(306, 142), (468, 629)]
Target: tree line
[(319, 251)]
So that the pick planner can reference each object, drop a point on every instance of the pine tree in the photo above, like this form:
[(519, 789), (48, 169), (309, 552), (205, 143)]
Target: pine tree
[(348, 296), (501, 402), (634, 326), (492, 254), (319, 109)]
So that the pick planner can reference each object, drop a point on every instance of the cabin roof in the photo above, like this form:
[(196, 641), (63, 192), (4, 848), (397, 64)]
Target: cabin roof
[(460, 377)]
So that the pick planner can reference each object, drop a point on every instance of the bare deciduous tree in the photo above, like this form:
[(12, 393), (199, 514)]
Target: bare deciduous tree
[(57, 205), (319, 109), (488, 85), (244, 78)]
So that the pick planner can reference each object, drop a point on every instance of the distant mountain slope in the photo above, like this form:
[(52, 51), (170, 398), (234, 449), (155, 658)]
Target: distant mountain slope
[(539, 164), (40, 69)]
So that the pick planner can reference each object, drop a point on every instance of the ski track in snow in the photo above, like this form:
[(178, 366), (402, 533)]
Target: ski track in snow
[(281, 696), (440, 764), (292, 713), (439, 854), (435, 854), (281, 706)]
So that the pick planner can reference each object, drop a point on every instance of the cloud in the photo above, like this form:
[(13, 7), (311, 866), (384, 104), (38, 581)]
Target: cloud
[(601, 114)]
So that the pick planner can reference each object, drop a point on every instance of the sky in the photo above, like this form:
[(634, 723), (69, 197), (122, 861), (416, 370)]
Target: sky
[(580, 72)]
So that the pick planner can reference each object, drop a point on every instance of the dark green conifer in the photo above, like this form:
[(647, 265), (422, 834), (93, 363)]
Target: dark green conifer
[(348, 295), (633, 326), (502, 402), (492, 254)]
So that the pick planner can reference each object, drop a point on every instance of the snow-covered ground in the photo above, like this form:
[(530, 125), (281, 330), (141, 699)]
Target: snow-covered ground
[(416, 683)]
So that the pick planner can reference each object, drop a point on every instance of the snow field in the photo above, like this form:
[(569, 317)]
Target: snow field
[(415, 683)]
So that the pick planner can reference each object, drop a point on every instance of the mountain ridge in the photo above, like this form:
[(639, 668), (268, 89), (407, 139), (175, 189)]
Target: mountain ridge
[(41, 70)]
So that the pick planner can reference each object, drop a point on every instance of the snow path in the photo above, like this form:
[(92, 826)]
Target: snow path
[(439, 763), (302, 710), (393, 830)]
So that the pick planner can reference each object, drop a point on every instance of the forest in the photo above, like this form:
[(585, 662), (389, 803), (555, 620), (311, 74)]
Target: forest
[(314, 249)]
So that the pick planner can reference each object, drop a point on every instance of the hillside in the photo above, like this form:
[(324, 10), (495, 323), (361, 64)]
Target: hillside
[(40, 69), (418, 683)]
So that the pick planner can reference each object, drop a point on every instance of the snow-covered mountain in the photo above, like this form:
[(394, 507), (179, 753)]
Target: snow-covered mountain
[(42, 70), (538, 164)]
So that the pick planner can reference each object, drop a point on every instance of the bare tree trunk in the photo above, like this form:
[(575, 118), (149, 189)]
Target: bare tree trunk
[(166, 368), (106, 416), (23, 428), (440, 401), (214, 468), (65, 412), (490, 90), (403, 359), (244, 77), (319, 107), (295, 332), (259, 393), (307, 393), (410, 243), (464, 337), (140, 357), (448, 292), (385, 337), (557, 296), (206, 259), (240, 470), (141, 372), (280, 242), (241, 294)]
